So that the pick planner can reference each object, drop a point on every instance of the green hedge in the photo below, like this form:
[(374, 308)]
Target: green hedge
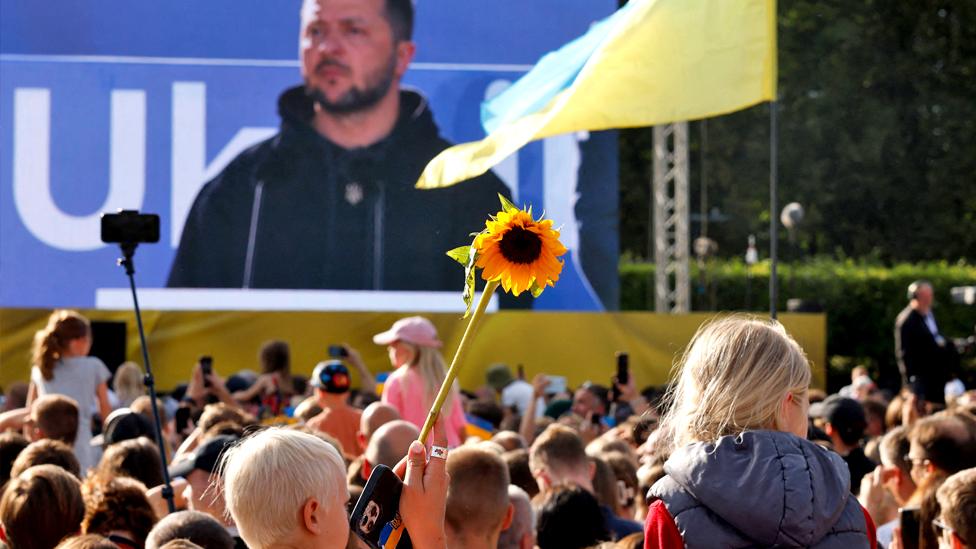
[(861, 300)]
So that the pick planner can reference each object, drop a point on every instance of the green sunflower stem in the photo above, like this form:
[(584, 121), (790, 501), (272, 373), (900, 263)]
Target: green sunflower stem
[(462, 349)]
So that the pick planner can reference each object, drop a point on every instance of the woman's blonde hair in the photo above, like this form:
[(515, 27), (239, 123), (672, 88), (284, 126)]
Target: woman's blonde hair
[(733, 377), (128, 383), (50, 343), (432, 369)]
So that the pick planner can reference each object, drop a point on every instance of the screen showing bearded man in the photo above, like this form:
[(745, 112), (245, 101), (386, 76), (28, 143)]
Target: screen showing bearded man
[(329, 201)]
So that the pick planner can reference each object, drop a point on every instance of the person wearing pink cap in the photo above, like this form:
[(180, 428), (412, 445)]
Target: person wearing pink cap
[(413, 347)]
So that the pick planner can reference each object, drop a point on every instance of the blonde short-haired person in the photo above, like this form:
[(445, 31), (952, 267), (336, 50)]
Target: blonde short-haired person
[(741, 472), (286, 488)]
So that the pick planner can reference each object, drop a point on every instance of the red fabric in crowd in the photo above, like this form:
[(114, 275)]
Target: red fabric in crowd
[(660, 532)]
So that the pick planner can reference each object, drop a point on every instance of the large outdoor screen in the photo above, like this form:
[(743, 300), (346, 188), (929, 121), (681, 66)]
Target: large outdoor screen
[(113, 104)]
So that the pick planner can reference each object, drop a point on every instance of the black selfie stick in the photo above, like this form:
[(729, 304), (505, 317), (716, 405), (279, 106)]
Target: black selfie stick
[(129, 250)]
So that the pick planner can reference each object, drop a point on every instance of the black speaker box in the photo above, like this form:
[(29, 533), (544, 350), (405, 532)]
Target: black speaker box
[(109, 342)]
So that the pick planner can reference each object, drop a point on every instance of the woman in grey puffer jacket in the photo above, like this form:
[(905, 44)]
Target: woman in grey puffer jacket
[(741, 472)]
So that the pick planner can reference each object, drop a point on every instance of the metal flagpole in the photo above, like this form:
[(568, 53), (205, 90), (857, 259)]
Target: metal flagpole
[(773, 208)]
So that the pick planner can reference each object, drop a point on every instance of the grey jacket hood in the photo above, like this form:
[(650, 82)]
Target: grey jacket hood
[(771, 488)]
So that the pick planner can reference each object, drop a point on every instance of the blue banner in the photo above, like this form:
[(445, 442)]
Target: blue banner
[(113, 104)]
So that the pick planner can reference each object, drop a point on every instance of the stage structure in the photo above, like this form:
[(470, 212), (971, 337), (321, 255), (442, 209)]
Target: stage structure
[(669, 189)]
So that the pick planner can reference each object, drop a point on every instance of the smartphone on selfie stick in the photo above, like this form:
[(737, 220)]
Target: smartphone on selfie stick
[(128, 229)]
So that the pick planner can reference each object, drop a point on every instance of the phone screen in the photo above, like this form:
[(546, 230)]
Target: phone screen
[(623, 368), (557, 384), (206, 366), (182, 419), (376, 517), (909, 521)]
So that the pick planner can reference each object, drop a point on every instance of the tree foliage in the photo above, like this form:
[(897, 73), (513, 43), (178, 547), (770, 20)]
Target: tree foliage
[(860, 299), (877, 119)]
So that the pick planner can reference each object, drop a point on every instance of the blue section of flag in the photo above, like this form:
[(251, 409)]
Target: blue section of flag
[(555, 72), (385, 534)]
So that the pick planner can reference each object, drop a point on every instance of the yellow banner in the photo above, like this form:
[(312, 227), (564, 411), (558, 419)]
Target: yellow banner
[(580, 346)]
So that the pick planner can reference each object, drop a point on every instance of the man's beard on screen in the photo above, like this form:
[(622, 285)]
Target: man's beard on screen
[(355, 99)]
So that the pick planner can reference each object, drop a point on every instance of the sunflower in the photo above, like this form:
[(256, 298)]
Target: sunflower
[(518, 251)]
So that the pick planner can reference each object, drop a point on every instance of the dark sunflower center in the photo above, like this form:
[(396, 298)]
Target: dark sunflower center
[(520, 245)]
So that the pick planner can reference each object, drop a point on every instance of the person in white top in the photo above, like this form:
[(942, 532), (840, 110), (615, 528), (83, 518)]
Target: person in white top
[(62, 366), (513, 392)]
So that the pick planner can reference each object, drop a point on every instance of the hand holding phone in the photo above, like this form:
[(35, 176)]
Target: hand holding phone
[(622, 378), (388, 508), (376, 517), (908, 521), (206, 367), (338, 351)]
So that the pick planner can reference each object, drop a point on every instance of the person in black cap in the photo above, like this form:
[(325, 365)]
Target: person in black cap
[(200, 469), (122, 424), (844, 422)]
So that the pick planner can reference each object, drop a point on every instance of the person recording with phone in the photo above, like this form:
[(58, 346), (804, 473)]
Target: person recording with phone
[(275, 387), (349, 355), (939, 446), (206, 387)]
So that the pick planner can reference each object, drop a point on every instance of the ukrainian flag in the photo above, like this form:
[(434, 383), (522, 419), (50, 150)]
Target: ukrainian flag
[(477, 427), (651, 62)]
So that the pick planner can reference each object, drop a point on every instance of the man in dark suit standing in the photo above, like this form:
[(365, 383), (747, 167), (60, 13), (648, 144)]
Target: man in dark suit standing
[(925, 356)]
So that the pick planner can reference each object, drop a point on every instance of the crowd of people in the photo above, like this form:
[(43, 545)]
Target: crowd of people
[(739, 451)]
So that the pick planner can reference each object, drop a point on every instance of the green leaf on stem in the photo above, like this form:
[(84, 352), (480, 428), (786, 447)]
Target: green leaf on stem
[(466, 256), (460, 254), (535, 289), (507, 205)]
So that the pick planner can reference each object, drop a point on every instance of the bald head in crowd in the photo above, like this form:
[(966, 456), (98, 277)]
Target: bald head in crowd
[(374, 416), (509, 440), (478, 508), (389, 444), (521, 533)]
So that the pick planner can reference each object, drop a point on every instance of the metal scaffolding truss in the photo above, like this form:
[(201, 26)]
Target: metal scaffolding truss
[(670, 191)]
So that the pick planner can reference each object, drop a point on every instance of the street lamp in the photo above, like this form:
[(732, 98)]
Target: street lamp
[(791, 217), (752, 257)]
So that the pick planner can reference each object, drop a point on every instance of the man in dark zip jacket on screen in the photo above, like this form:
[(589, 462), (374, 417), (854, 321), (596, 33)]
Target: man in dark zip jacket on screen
[(329, 202)]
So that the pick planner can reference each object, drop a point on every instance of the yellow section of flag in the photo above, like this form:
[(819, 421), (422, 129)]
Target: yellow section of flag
[(670, 60)]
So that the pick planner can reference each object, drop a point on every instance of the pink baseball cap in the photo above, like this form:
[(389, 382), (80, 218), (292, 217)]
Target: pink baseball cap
[(413, 329)]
